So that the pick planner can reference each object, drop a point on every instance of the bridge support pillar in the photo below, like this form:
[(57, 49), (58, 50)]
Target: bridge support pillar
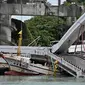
[(5, 29)]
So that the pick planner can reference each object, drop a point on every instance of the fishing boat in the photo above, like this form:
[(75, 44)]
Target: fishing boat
[(22, 65), (3, 66)]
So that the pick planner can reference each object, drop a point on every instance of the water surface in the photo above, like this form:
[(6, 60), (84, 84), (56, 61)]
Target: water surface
[(40, 80)]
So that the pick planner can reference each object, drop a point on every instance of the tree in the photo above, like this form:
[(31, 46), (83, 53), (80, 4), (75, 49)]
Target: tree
[(76, 1), (47, 27)]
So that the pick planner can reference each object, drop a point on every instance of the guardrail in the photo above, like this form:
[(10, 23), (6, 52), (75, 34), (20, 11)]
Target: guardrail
[(68, 65)]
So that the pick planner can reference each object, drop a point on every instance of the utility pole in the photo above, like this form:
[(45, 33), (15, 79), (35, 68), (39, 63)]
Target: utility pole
[(59, 3)]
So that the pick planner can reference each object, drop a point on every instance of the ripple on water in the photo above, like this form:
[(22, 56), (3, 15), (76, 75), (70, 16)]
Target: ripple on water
[(40, 80)]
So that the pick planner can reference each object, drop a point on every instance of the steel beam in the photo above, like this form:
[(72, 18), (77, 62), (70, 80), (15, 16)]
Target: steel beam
[(34, 9), (62, 10), (23, 9)]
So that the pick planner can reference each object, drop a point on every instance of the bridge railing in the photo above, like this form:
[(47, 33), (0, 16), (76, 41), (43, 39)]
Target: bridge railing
[(67, 64)]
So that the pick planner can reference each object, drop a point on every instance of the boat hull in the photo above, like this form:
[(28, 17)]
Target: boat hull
[(18, 66), (15, 73)]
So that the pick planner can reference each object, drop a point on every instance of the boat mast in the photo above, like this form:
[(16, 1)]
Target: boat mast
[(19, 43), (20, 35)]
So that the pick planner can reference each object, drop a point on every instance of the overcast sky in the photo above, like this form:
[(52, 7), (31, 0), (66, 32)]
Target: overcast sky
[(53, 2)]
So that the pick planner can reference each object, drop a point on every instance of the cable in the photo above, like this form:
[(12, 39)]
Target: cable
[(77, 40), (82, 40)]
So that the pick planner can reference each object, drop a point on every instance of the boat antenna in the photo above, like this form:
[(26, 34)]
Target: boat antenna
[(20, 36), (34, 40)]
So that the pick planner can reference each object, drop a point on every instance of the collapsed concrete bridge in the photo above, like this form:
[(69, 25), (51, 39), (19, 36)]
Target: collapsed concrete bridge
[(40, 7)]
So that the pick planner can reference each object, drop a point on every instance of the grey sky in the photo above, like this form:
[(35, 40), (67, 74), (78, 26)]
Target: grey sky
[(55, 2)]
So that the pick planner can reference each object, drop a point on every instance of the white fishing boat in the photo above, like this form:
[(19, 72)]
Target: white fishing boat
[(20, 65)]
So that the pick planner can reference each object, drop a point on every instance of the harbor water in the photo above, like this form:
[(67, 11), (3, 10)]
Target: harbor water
[(40, 80)]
